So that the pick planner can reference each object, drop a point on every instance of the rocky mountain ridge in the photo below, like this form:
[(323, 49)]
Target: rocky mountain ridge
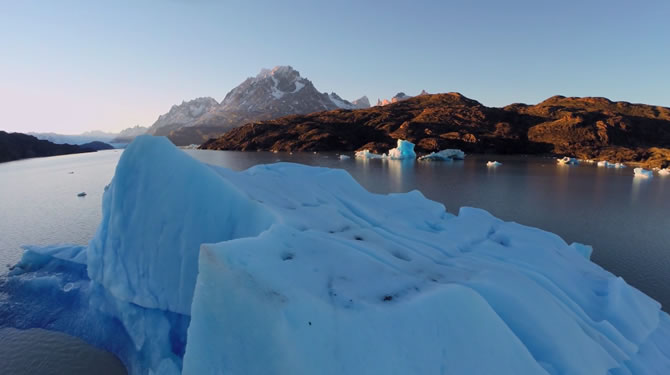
[(588, 128), (272, 93)]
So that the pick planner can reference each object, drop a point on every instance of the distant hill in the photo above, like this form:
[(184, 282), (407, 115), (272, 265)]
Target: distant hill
[(15, 146), (270, 94), (581, 127), (97, 146), (75, 139), (129, 134)]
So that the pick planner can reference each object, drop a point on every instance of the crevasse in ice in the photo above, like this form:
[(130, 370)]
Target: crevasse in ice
[(289, 269)]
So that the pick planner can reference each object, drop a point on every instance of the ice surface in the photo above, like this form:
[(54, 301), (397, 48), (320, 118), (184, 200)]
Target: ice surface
[(156, 216), (290, 269), (445, 155), (643, 173), (493, 163)]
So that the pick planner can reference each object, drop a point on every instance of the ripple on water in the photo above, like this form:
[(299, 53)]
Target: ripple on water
[(42, 352)]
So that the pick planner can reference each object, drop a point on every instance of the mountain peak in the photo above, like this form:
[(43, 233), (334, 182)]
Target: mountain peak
[(362, 102), (279, 71), (272, 93)]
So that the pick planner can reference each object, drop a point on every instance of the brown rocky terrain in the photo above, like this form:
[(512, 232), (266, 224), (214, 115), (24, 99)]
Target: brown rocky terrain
[(587, 128)]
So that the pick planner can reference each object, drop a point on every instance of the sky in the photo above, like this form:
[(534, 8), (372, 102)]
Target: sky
[(72, 66)]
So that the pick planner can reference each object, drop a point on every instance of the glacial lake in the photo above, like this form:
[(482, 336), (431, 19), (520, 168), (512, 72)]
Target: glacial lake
[(625, 219)]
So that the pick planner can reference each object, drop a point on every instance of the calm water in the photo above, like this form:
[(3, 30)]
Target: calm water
[(625, 219)]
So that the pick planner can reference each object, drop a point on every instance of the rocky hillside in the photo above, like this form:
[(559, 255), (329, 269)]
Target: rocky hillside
[(15, 146), (581, 127), (270, 94)]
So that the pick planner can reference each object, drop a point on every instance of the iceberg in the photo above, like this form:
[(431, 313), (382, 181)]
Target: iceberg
[(493, 163), (567, 160), (366, 154), (292, 269), (664, 172), (445, 155), (643, 173), (344, 157), (404, 150)]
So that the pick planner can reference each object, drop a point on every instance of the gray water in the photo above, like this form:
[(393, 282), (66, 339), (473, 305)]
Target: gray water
[(625, 219)]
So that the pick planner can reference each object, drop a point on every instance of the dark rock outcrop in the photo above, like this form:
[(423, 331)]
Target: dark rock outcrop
[(15, 146), (589, 128)]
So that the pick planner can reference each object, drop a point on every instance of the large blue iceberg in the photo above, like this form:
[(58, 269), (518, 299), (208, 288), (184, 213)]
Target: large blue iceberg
[(289, 269)]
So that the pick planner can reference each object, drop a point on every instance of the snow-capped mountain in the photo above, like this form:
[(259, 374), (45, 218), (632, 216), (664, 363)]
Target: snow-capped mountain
[(272, 93), (184, 114), (280, 89)]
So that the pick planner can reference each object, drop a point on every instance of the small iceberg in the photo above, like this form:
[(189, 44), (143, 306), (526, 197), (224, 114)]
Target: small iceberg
[(404, 150), (445, 155), (82, 194), (366, 154), (567, 160), (345, 157), (605, 163), (643, 173), (493, 163), (664, 172)]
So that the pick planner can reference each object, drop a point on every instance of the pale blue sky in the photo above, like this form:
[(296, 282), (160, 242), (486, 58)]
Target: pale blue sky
[(71, 66)]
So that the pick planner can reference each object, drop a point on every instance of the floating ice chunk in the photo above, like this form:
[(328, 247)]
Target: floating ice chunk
[(643, 173), (567, 160), (604, 163), (366, 154), (445, 155), (493, 163), (344, 157), (664, 172), (404, 150)]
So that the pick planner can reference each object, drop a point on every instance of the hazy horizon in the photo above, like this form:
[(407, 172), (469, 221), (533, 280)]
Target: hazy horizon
[(113, 66)]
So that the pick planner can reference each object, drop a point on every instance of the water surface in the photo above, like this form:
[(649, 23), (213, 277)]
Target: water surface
[(624, 218)]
